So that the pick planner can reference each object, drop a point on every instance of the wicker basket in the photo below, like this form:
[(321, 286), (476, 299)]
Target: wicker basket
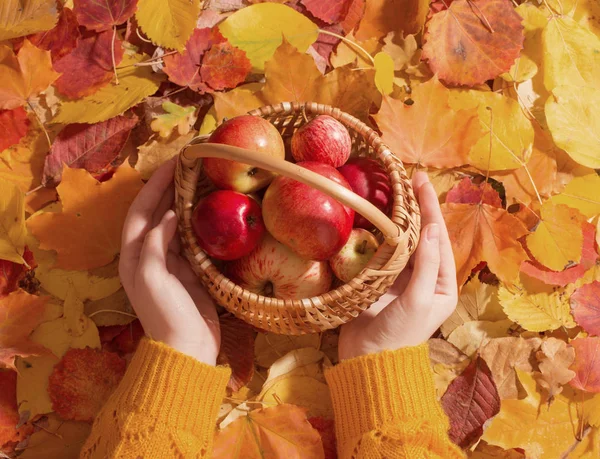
[(399, 235)]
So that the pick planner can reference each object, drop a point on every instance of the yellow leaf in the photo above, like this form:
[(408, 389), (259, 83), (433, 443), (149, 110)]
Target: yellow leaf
[(306, 361), (303, 391), (537, 311), (574, 125), (444, 374), (209, 122), (233, 103), (345, 54), (98, 310), (512, 132), (470, 336), (591, 410), (156, 151), (168, 23), (269, 347), (581, 194), (135, 83), (544, 432), (259, 29), (571, 54), (384, 73), (12, 223), (24, 17), (588, 447), (175, 116)]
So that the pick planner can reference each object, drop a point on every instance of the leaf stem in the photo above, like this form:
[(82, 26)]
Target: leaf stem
[(487, 172), (484, 20), (112, 53), (40, 123), (351, 43), (114, 311)]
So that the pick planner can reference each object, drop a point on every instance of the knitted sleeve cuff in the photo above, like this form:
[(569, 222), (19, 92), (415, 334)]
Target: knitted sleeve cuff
[(371, 390)]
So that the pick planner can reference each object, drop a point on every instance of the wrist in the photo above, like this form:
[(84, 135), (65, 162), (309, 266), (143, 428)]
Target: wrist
[(204, 352)]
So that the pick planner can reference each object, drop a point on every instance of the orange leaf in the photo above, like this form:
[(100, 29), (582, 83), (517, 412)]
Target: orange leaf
[(472, 41), (467, 192), (13, 125), (60, 40), (585, 304), (224, 66), (82, 381), (587, 364), (356, 10), (383, 16), (331, 12), (24, 75), (87, 232), (428, 132), (237, 350), (99, 16), (281, 431), (485, 233), (9, 413), (20, 313)]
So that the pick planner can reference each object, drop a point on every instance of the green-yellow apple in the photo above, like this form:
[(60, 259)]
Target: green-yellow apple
[(355, 255)]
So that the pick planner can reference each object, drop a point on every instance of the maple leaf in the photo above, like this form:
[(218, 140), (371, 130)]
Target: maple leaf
[(23, 75), (22, 17), (12, 273), (9, 414), (12, 227), (81, 233), (92, 147), (20, 313), (585, 305), (61, 39), (555, 357), (156, 151), (237, 350), (428, 131), (587, 364), (581, 194), (13, 125), (382, 17), (326, 428), (91, 57), (175, 116), (168, 24), (224, 66), (280, 431), (22, 164), (467, 192), (467, 46), (82, 381), (100, 16), (484, 233), (589, 256), (471, 399)]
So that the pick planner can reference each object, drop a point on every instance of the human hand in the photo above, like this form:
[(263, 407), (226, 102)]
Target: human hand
[(164, 291), (422, 298)]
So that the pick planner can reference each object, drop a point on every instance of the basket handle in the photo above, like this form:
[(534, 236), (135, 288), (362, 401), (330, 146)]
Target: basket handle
[(390, 230)]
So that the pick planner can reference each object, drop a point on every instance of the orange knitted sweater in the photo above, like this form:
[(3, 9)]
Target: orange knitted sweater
[(167, 404)]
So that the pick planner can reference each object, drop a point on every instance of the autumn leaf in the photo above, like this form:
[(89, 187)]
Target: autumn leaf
[(24, 75), (13, 125), (381, 17), (269, 347), (20, 313), (237, 350), (573, 125), (87, 238), (467, 46), (467, 192), (470, 336), (587, 364), (23, 163), (326, 428), (82, 381), (175, 116), (12, 273), (471, 399), (9, 415), (156, 151), (100, 16), (224, 66), (92, 57), (585, 305), (554, 359), (281, 431), (330, 12), (129, 339), (409, 129), (168, 23), (12, 223), (22, 17), (92, 147), (581, 194), (61, 39), (474, 231)]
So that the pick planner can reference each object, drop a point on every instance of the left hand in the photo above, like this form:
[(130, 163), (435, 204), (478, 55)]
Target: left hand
[(167, 296)]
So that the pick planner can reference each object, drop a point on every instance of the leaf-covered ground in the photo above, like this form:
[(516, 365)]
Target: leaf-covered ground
[(496, 100)]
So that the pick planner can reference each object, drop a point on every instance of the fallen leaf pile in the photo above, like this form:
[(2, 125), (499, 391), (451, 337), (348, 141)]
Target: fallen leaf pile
[(496, 100)]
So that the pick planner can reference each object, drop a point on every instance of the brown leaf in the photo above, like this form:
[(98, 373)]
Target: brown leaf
[(237, 350), (555, 357)]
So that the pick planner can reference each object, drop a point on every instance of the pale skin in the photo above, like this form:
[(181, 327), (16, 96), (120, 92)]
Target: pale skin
[(174, 308)]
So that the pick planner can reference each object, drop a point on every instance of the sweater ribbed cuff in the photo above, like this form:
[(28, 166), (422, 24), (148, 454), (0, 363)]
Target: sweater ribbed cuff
[(173, 388), (370, 390)]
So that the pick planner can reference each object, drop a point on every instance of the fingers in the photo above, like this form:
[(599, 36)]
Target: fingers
[(422, 285), (153, 257), (166, 203)]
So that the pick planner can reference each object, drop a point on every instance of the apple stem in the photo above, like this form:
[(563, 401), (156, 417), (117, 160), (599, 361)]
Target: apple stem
[(363, 247)]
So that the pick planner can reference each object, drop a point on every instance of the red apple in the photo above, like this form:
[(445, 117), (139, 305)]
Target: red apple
[(251, 132), (308, 221), (354, 256), (369, 180), (274, 270), (323, 139), (228, 224)]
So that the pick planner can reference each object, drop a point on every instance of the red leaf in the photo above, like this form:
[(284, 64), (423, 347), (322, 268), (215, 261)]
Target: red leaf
[(471, 399), (466, 192), (82, 381), (237, 350), (326, 428), (585, 304), (107, 334), (89, 67), (9, 413), (128, 340), (92, 147), (331, 11), (60, 40), (11, 273), (224, 66), (356, 10), (13, 126), (103, 15), (587, 364), (460, 45), (561, 278)]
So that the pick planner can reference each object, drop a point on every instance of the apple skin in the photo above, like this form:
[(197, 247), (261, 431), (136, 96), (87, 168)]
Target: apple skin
[(308, 221), (323, 139), (355, 255), (228, 224), (253, 133), (274, 270), (369, 180)]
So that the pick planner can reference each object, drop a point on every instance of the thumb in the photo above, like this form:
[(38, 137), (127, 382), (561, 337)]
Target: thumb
[(156, 243)]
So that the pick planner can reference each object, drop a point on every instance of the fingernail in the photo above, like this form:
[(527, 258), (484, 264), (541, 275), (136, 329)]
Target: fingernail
[(433, 232)]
